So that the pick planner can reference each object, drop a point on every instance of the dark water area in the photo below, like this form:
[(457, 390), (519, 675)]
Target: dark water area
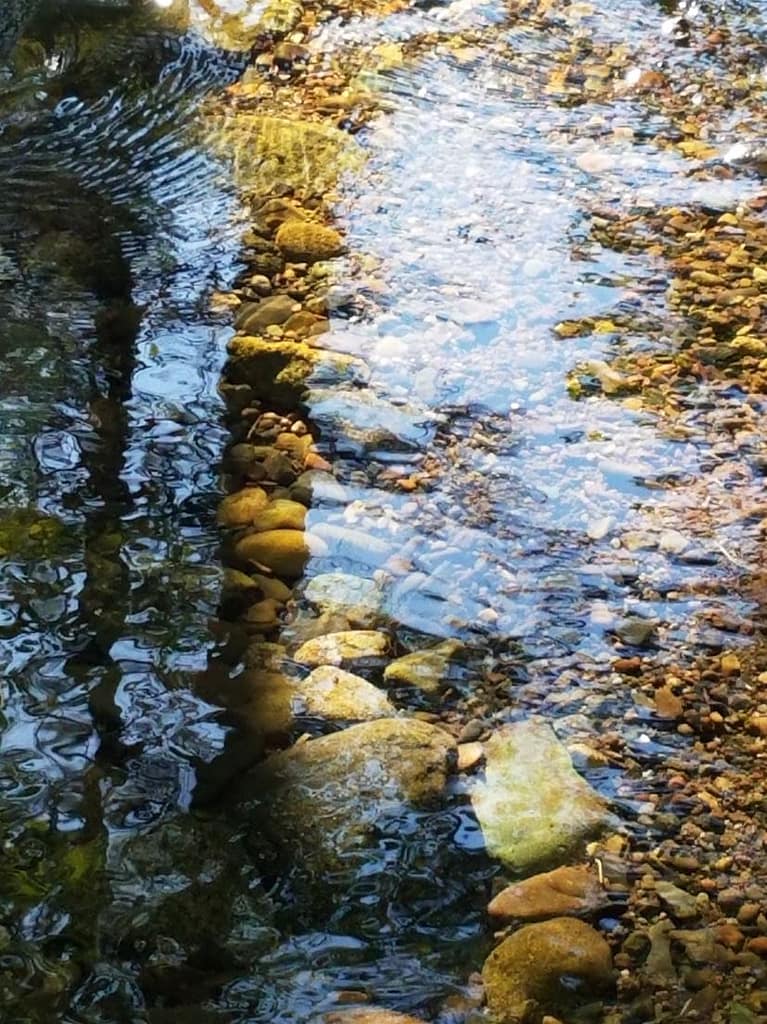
[(486, 480)]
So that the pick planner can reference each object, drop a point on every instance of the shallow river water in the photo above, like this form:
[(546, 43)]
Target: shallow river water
[(500, 487)]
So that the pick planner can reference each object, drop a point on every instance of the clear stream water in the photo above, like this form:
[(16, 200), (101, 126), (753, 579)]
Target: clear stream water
[(116, 224)]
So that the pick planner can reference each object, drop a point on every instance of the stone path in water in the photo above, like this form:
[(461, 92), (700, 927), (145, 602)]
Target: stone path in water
[(494, 523)]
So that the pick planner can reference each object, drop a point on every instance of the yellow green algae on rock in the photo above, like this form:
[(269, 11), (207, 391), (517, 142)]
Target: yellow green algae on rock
[(534, 808), (305, 155)]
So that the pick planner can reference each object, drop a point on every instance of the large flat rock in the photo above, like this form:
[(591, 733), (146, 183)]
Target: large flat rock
[(534, 808)]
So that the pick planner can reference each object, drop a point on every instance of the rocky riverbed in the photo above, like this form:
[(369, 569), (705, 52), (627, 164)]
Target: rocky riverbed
[(481, 730)]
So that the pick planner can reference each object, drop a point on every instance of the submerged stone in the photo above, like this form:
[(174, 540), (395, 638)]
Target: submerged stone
[(365, 1015), (284, 552), (546, 967), (305, 155), (341, 594), (534, 808), (255, 317), (321, 801), (424, 670), (346, 648), (355, 545), (331, 692)]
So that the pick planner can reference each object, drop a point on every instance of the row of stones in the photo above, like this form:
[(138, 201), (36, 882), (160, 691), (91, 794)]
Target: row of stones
[(274, 473)]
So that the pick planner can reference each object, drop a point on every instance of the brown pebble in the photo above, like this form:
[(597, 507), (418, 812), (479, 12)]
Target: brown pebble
[(748, 913), (730, 936), (628, 666), (758, 945), (730, 665), (729, 899), (667, 704), (315, 461), (758, 724)]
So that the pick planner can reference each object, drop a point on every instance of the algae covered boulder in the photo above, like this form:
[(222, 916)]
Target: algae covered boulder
[(242, 507), (284, 552), (282, 370), (305, 242), (268, 703), (280, 514), (546, 968), (534, 808), (330, 692), (322, 801)]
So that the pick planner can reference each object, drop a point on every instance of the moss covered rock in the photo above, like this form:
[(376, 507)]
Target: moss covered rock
[(268, 702), (282, 370), (331, 692), (280, 514), (424, 670), (242, 508), (285, 552), (533, 807), (304, 242), (545, 968)]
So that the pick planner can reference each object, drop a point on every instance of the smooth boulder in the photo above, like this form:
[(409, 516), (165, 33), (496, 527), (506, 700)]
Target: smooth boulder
[(321, 801), (284, 552), (546, 968), (331, 692), (346, 648)]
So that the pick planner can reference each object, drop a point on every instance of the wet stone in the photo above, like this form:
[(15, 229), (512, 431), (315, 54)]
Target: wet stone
[(534, 808), (280, 514), (331, 692), (321, 801), (242, 508), (346, 648), (546, 967), (424, 670), (303, 242), (284, 552), (253, 318), (564, 891), (354, 596)]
